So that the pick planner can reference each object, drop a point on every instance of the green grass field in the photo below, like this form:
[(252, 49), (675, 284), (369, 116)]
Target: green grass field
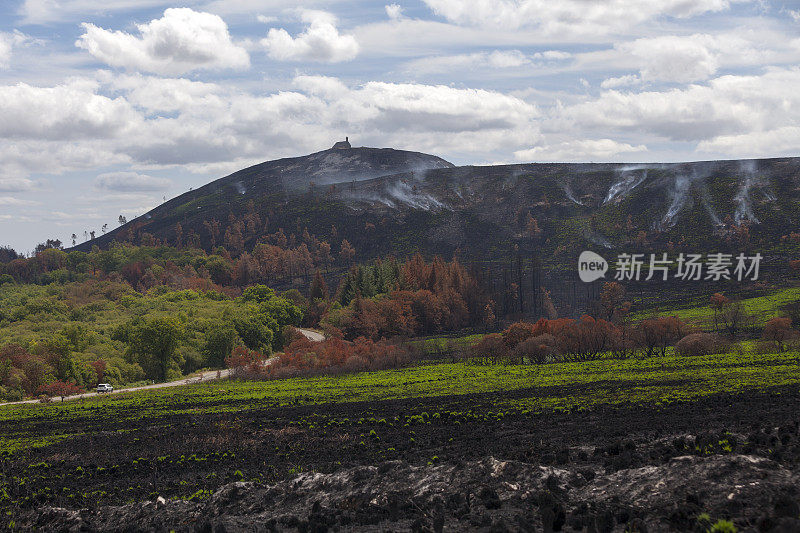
[(521, 388), (762, 308), (433, 346)]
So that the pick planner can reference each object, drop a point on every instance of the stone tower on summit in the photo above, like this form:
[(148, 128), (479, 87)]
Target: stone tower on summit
[(342, 145)]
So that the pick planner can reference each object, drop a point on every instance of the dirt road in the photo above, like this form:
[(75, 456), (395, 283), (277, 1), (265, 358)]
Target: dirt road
[(312, 335), (197, 378)]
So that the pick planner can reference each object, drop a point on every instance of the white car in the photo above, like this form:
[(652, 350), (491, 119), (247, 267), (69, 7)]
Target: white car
[(104, 387)]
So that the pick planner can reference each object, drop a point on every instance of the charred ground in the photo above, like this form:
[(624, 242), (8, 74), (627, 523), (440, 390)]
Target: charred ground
[(423, 464)]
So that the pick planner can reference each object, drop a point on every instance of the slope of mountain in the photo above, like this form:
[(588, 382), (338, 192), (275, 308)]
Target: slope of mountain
[(393, 202), (286, 177), (594, 205)]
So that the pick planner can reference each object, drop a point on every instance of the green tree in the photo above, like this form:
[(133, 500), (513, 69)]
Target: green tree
[(255, 331), (153, 344), (76, 336), (67, 368), (219, 343), (270, 312), (348, 288), (219, 269), (258, 294), (282, 311), (366, 282)]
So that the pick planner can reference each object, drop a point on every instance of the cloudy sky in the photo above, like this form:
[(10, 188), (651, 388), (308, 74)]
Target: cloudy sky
[(108, 107)]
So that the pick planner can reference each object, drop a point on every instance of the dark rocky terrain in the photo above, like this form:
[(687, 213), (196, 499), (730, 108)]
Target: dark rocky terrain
[(485, 495)]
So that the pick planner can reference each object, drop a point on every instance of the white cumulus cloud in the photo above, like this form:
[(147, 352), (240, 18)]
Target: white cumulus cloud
[(781, 141), (579, 150), (394, 11), (673, 58), (497, 59), (155, 122), (9, 41), (69, 111), (621, 81), (181, 41), (321, 41), (689, 58), (442, 108), (573, 16), (716, 113)]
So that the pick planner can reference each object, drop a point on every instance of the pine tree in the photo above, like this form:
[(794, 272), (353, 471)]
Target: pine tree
[(319, 289), (347, 253)]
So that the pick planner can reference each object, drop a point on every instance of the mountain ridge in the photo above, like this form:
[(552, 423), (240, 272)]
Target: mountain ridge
[(399, 202)]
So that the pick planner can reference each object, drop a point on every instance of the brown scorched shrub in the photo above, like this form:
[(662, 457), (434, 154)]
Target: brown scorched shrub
[(332, 356), (697, 344)]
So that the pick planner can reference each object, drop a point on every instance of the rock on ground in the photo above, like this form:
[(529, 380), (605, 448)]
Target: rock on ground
[(485, 495)]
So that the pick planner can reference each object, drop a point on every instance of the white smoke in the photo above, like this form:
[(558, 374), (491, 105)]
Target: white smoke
[(397, 195), (744, 208), (599, 240), (710, 209), (631, 178), (713, 214), (403, 193), (679, 196), (240, 187), (570, 196)]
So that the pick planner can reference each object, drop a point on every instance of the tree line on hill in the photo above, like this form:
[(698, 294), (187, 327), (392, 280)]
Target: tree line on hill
[(384, 299), (274, 258), (544, 341), (588, 338)]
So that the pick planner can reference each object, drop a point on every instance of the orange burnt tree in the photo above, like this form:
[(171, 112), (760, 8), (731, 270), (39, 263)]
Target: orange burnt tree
[(391, 298), (273, 257), (334, 355), (587, 338), (61, 389), (779, 331), (30, 370)]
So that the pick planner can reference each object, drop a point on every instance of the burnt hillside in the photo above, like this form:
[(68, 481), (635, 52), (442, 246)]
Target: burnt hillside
[(388, 201)]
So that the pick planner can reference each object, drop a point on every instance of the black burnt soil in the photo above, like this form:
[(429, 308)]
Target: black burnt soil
[(447, 463)]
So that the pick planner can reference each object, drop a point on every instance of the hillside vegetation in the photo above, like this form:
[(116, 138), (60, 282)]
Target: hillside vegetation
[(104, 331), (129, 313), (761, 308)]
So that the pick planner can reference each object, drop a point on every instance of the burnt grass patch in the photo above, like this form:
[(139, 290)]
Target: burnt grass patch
[(192, 456)]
